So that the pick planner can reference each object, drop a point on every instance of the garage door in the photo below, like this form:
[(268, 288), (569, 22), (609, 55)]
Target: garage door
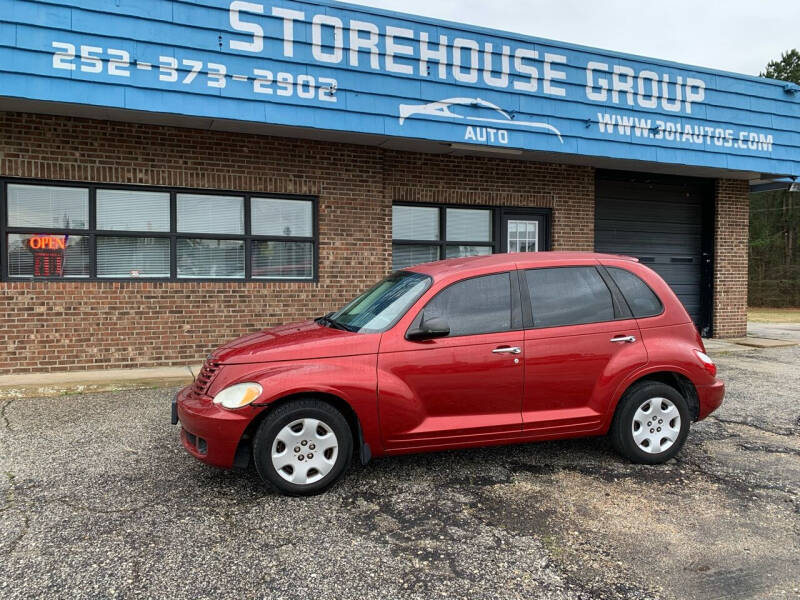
[(660, 222)]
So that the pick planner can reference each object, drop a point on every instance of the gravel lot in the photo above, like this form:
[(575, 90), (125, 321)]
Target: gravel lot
[(99, 500)]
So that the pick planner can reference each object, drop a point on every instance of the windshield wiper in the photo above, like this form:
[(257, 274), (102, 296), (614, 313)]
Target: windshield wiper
[(334, 324)]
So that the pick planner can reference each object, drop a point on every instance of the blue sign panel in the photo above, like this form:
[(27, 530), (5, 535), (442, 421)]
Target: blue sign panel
[(341, 67)]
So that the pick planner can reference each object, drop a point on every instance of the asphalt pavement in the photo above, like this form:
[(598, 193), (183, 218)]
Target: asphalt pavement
[(99, 500)]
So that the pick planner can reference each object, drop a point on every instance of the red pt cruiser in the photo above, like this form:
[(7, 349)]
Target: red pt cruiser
[(467, 352)]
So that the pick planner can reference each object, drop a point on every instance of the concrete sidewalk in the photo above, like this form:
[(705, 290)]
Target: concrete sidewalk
[(714, 347), (759, 336), (59, 383), (776, 331)]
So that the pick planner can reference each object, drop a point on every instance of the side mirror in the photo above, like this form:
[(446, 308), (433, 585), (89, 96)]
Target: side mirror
[(434, 327)]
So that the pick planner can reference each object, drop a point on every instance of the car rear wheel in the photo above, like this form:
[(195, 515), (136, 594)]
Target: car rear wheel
[(651, 423), (303, 447)]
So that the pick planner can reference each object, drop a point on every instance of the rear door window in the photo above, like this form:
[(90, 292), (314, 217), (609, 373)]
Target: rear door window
[(475, 306), (568, 296), (641, 299)]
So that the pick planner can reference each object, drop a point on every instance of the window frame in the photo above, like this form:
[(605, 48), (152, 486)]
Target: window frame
[(498, 216), (517, 305), (428, 285), (620, 306), (173, 235), (442, 243)]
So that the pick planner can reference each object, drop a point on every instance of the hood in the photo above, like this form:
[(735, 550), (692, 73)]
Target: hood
[(298, 341)]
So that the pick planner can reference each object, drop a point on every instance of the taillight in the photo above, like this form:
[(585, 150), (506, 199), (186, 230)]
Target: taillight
[(708, 364)]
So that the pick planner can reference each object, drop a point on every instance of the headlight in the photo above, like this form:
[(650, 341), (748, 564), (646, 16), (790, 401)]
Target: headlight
[(239, 395)]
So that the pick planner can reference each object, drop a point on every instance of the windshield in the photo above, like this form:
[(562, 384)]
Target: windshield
[(381, 307)]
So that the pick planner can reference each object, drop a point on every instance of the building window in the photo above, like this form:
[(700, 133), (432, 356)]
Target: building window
[(48, 207), (36, 255), (201, 213), (129, 210), (290, 255), (428, 233), (132, 256), (128, 257), (523, 236), (65, 231), (210, 259)]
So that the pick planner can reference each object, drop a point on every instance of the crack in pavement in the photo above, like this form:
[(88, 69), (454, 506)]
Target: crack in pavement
[(768, 449), (6, 422), (11, 500), (9, 492), (743, 487), (12, 547), (783, 432)]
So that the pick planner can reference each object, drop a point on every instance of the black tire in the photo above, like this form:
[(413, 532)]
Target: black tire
[(621, 434), (281, 417)]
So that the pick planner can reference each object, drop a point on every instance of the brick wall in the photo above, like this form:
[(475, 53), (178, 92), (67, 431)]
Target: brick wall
[(84, 325), (730, 266), (568, 190)]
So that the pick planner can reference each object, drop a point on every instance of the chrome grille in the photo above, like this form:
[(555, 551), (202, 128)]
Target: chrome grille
[(204, 377)]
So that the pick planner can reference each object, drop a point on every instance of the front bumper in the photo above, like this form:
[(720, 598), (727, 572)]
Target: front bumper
[(710, 397), (210, 433)]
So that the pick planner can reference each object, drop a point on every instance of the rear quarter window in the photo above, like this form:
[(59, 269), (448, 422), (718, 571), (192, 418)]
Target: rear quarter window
[(642, 301)]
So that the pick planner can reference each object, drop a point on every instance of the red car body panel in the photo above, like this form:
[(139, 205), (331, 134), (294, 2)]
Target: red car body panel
[(572, 372), (297, 341), (449, 389), (455, 392)]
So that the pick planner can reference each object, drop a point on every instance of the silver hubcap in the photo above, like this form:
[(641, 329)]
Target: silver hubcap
[(305, 451), (656, 425)]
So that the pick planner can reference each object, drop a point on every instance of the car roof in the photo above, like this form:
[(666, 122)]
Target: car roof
[(521, 260)]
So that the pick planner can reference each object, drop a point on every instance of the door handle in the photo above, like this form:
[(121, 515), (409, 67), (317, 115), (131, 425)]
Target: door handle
[(623, 339), (513, 350)]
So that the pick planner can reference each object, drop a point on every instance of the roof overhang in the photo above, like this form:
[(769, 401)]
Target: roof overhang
[(767, 184)]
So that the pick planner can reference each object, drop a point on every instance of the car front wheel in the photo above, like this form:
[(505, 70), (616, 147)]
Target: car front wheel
[(651, 423), (303, 447)]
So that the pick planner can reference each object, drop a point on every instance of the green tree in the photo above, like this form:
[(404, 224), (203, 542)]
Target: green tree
[(785, 69), (775, 249), (774, 225)]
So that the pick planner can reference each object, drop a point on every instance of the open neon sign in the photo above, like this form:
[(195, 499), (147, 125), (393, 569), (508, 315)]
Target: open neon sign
[(48, 255), (47, 242)]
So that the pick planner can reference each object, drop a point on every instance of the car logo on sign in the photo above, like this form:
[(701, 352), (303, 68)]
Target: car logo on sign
[(442, 108)]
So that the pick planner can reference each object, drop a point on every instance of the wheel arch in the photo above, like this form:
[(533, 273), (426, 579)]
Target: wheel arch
[(244, 450), (680, 382)]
